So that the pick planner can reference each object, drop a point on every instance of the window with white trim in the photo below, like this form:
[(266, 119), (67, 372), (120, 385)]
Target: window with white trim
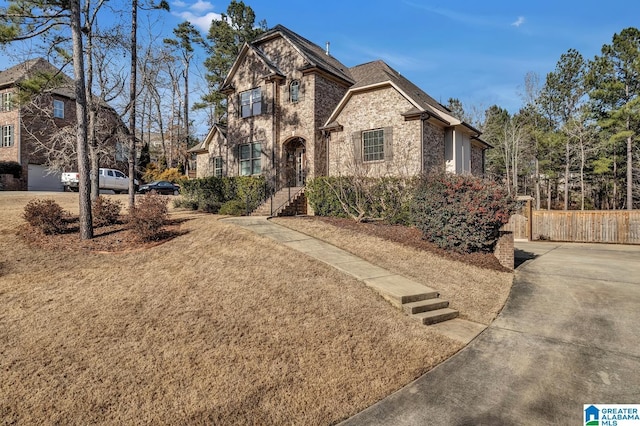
[(250, 155), (7, 101), (7, 135), (58, 108), (251, 103), (217, 167), (373, 145)]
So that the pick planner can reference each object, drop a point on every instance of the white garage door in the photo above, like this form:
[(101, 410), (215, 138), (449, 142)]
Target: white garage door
[(41, 180)]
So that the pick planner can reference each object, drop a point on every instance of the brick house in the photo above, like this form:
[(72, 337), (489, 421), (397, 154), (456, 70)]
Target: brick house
[(33, 131), (296, 112)]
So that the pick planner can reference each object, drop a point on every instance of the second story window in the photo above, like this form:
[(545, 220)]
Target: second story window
[(294, 91), (7, 136), (251, 103), (58, 109), (7, 102)]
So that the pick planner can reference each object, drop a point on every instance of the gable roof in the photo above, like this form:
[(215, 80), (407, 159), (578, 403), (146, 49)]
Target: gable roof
[(15, 74), (204, 145), (377, 72), (313, 54)]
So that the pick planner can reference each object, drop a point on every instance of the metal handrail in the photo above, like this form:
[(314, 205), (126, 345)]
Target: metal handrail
[(289, 198)]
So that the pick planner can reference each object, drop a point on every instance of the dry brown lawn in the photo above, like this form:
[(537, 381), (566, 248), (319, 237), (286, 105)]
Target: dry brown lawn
[(479, 293), (215, 326)]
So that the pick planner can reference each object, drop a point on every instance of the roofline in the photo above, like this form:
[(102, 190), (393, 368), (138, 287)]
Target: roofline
[(375, 86)]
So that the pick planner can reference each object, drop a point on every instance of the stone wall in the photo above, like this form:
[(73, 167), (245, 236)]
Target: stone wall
[(433, 147), (371, 110), (477, 161)]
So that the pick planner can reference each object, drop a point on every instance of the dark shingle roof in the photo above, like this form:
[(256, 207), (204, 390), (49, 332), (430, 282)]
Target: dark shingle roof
[(314, 54), (16, 73), (379, 72)]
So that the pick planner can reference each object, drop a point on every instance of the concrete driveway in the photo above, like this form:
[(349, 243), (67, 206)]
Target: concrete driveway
[(569, 335)]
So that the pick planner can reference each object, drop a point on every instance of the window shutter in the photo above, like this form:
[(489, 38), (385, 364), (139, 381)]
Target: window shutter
[(238, 106), (388, 143), (356, 138)]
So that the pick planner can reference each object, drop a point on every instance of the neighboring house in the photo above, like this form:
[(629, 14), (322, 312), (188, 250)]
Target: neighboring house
[(39, 133), (212, 153), (296, 112)]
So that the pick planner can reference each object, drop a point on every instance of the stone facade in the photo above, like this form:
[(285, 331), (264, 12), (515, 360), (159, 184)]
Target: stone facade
[(320, 131), (432, 147), (477, 160), (371, 110)]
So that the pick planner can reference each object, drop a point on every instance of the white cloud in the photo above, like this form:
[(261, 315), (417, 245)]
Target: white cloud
[(202, 22), (178, 3), (518, 22), (201, 6)]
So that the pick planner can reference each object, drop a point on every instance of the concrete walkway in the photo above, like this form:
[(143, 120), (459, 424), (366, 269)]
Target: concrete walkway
[(569, 335), (395, 288)]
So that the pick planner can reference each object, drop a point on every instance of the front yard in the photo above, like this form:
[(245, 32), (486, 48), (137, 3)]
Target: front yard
[(216, 326)]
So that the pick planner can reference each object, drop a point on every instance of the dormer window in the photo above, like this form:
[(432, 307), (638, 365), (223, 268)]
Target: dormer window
[(251, 103), (294, 91)]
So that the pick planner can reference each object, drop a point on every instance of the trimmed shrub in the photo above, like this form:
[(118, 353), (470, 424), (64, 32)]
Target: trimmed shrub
[(362, 198), (105, 212), (45, 215), (461, 213), (233, 208), (11, 168), (210, 193), (147, 218)]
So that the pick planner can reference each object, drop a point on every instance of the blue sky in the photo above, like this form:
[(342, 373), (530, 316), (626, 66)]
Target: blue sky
[(478, 52)]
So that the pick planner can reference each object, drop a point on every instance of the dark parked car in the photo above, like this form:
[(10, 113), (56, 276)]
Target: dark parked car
[(161, 187)]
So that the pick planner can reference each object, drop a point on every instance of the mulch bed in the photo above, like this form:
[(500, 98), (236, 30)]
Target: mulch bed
[(412, 237), (115, 238)]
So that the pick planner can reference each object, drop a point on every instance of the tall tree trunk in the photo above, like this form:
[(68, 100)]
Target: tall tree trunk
[(566, 177), (548, 193), (582, 161), (132, 100), (629, 172), (93, 140), (615, 181), (186, 115), (537, 182), (84, 186)]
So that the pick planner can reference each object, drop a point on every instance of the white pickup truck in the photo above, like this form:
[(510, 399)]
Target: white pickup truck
[(110, 179)]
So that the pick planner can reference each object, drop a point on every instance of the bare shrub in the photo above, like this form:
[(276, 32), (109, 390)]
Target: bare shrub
[(45, 215), (105, 211), (147, 218)]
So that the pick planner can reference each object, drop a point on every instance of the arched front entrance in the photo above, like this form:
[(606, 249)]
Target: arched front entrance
[(295, 162)]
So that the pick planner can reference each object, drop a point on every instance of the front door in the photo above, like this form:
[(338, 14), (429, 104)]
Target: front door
[(300, 166)]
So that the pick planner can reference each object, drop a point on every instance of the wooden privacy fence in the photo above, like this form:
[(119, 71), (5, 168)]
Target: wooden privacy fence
[(587, 226)]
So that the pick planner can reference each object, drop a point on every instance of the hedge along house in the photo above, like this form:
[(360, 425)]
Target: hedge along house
[(39, 133), (295, 112)]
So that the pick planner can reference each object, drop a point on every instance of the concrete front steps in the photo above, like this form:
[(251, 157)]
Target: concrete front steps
[(286, 202), (419, 302)]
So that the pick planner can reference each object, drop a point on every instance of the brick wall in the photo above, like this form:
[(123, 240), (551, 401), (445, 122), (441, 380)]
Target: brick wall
[(504, 250), (10, 153)]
